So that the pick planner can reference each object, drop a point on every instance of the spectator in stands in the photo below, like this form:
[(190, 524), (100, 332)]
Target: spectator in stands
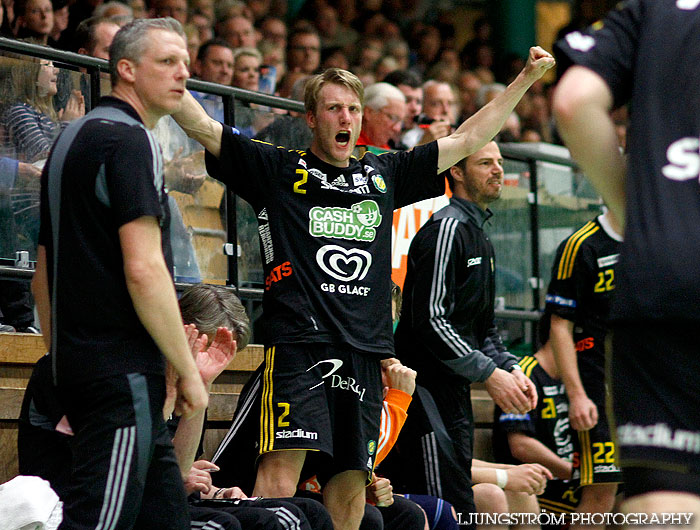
[(273, 29), (34, 20), (468, 85), (205, 7), (274, 55), (169, 8), (384, 67), (409, 84), (369, 50), (57, 37), (427, 49), (93, 37), (384, 111), (399, 50), (304, 51), (238, 31), (333, 34), (214, 64), (334, 58), (138, 8), (204, 25), (32, 122), (438, 114), (246, 69), (114, 8)]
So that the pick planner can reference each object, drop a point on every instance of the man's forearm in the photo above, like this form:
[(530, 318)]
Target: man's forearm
[(199, 125), (186, 440), (530, 450), (582, 103), (153, 295), (565, 357)]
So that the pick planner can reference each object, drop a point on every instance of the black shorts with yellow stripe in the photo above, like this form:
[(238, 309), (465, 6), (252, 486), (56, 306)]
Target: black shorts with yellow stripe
[(594, 455), (325, 399), (559, 496)]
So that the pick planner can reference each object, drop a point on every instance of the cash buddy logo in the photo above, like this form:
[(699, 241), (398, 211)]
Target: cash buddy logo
[(357, 223)]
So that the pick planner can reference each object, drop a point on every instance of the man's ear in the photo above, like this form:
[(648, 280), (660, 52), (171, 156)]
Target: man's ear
[(457, 173), (310, 119), (126, 70)]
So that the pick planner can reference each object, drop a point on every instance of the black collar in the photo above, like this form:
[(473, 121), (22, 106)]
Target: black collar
[(472, 211)]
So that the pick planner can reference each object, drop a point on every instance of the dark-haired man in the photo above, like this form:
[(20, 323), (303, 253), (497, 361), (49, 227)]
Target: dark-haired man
[(447, 331), (325, 225), (105, 295)]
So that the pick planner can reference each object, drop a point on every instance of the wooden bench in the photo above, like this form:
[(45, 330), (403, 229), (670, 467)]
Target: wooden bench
[(19, 352)]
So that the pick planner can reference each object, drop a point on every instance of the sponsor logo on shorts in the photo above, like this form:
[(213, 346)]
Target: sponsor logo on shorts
[(337, 381), (474, 261), (611, 468), (357, 223), (659, 435), (343, 264), (296, 433), (348, 383), (371, 447), (606, 261)]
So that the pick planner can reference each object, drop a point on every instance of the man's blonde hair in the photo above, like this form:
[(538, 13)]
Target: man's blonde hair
[(332, 75)]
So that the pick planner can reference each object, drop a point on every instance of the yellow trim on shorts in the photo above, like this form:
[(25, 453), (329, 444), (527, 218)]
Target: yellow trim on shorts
[(267, 416), (584, 438), (566, 263)]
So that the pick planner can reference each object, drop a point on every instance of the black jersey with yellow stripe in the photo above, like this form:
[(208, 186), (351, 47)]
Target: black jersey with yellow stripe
[(582, 284), (548, 423)]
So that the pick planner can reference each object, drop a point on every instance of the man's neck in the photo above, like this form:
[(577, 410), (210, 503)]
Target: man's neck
[(149, 119)]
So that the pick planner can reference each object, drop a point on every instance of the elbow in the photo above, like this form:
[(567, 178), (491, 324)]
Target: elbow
[(141, 273)]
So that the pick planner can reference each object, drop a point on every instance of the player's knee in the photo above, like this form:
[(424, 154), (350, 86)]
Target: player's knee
[(278, 474), (489, 498), (597, 499)]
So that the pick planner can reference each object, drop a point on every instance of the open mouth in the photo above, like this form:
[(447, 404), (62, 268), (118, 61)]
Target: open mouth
[(343, 138)]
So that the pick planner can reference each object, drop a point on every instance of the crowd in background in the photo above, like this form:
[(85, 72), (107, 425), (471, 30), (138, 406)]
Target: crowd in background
[(272, 43)]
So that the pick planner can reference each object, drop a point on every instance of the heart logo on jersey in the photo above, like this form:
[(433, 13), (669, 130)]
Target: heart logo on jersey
[(343, 264)]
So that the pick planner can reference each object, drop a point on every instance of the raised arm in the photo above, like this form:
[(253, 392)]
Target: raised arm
[(582, 104), (199, 125), (481, 128)]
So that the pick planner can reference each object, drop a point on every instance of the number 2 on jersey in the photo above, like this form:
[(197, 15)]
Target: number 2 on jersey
[(299, 183)]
